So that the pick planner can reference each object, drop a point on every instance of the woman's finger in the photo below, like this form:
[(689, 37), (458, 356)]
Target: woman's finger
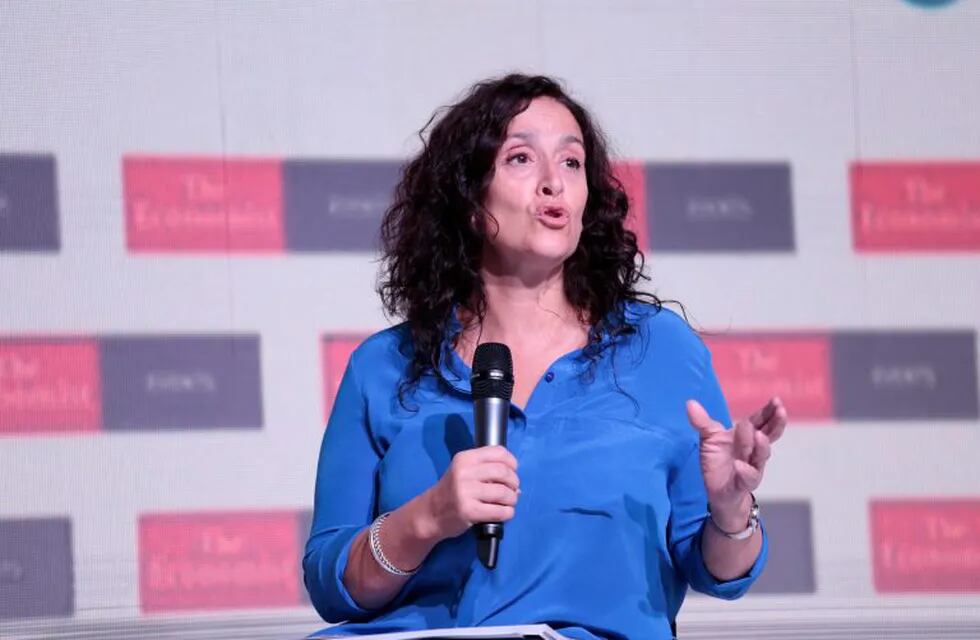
[(775, 427), (744, 439), (763, 415), (761, 452), (749, 477), (701, 421), (494, 513), (495, 453), (497, 472), (496, 494)]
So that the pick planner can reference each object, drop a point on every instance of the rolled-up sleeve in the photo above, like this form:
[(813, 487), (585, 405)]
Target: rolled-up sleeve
[(689, 506), (343, 502)]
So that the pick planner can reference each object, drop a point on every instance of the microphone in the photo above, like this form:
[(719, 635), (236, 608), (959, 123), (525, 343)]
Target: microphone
[(493, 384)]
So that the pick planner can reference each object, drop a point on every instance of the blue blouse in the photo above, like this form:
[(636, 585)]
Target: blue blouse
[(606, 534)]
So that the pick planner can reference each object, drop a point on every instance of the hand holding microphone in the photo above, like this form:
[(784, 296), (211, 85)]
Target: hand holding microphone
[(480, 487), (493, 385)]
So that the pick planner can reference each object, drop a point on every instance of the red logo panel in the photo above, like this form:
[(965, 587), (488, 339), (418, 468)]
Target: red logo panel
[(915, 206), (753, 368), (49, 386), (631, 175), (202, 204), (926, 545), (335, 353), (218, 561)]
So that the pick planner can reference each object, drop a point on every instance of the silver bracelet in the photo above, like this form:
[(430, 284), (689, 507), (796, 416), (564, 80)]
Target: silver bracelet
[(749, 529), (379, 555)]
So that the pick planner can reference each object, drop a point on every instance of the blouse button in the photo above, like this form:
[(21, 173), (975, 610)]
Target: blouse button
[(548, 377)]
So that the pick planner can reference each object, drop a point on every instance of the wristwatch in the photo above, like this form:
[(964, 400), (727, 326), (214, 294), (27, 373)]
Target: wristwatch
[(748, 530)]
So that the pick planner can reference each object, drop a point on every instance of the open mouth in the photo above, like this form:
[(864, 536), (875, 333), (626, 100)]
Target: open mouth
[(554, 217)]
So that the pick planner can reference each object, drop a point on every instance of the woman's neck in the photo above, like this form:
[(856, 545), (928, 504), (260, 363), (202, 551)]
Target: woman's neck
[(523, 314)]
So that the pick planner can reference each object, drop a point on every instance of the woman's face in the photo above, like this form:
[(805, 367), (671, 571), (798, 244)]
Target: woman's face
[(538, 191)]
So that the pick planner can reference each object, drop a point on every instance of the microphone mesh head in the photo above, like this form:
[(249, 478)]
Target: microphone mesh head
[(493, 371)]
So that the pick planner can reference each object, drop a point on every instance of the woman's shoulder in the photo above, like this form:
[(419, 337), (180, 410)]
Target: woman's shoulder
[(663, 338), (386, 346), (660, 322)]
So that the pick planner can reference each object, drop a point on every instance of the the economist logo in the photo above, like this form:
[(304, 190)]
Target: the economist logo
[(182, 204), (850, 375), (49, 385), (188, 204), (754, 367), (926, 545), (335, 351), (55, 384), (219, 560), (915, 206)]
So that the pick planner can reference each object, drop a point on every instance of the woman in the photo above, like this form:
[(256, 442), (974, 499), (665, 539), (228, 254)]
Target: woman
[(509, 227)]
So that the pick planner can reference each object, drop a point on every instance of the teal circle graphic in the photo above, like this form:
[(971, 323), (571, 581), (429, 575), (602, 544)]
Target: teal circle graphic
[(930, 3)]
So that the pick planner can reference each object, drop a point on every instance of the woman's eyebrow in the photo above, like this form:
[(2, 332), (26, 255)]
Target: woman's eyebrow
[(523, 135), (528, 136)]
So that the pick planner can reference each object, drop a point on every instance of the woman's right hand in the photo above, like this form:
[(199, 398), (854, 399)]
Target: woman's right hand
[(480, 485)]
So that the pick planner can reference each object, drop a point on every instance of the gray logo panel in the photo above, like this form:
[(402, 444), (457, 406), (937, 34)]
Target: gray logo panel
[(181, 382), (789, 569), (720, 207), (336, 205), (904, 374), (36, 573), (28, 203)]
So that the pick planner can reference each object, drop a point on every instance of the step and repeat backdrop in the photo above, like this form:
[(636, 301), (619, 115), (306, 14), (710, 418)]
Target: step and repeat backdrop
[(190, 195)]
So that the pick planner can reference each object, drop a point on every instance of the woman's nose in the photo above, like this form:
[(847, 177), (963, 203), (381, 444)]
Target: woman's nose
[(550, 184)]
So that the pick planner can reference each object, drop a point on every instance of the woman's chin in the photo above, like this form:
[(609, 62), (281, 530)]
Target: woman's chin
[(548, 257), (544, 255)]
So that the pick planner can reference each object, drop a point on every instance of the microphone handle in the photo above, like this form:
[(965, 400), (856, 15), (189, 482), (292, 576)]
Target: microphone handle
[(490, 416), (490, 419)]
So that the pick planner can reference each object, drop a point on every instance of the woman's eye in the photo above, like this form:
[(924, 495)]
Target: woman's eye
[(574, 163), (522, 156)]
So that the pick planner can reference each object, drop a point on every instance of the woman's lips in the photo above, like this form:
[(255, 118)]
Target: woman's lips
[(553, 217)]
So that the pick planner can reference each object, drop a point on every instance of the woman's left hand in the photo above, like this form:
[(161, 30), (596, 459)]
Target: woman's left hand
[(733, 460)]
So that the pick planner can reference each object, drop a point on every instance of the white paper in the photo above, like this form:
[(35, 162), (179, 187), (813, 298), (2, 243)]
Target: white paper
[(462, 633)]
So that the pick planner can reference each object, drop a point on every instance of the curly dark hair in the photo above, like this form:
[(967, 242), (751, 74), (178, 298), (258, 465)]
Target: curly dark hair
[(431, 251)]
